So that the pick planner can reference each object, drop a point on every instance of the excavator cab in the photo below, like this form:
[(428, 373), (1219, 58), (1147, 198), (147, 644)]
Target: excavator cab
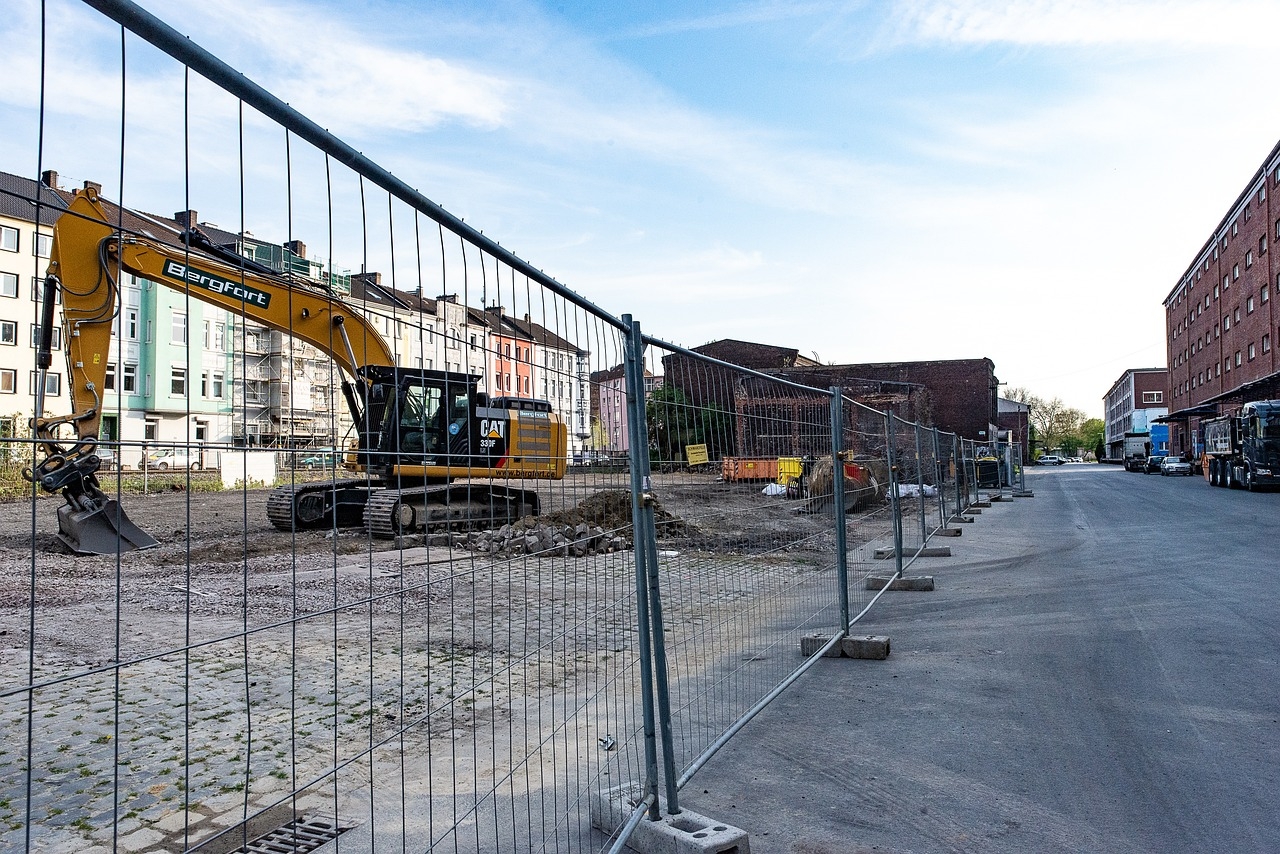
[(429, 424)]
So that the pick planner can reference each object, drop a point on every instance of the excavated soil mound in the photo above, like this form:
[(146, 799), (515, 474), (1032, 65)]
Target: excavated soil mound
[(610, 509)]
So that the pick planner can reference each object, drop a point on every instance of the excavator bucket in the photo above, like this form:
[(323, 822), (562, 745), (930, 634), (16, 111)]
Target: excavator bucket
[(104, 531)]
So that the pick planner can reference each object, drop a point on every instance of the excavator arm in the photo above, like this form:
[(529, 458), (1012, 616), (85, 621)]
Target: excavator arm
[(89, 255)]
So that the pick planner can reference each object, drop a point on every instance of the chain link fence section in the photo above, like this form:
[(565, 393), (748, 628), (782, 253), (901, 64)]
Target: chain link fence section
[(750, 564)]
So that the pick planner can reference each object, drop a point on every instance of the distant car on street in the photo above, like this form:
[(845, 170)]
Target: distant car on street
[(1050, 460), (1175, 465), (1153, 464), (172, 458)]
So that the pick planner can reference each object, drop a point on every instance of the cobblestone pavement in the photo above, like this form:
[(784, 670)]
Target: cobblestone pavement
[(179, 691)]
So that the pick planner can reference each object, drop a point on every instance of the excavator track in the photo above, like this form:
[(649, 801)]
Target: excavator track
[(455, 507), (308, 506)]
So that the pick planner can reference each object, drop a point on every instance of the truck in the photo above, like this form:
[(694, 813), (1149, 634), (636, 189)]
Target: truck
[(1243, 450), (429, 447), (1136, 448)]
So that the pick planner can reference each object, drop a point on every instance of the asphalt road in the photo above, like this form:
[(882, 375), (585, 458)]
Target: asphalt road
[(1098, 671)]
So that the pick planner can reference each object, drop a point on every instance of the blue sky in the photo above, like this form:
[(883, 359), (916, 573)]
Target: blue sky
[(867, 181)]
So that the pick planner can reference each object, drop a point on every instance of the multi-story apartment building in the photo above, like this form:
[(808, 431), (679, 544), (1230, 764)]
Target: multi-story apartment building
[(181, 371), (1220, 318), (529, 360), (1132, 404), (24, 255)]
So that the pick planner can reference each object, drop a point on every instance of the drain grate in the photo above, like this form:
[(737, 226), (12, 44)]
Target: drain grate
[(300, 836)]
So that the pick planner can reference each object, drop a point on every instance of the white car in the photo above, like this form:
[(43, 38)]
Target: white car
[(173, 458), (1050, 460), (1174, 465)]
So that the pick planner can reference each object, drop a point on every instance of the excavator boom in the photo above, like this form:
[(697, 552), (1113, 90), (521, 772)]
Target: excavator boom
[(419, 430)]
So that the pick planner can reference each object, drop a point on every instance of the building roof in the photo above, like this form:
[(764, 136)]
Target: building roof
[(18, 197), (749, 354), (524, 329)]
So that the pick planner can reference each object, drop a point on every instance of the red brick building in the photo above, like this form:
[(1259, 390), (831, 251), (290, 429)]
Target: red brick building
[(1220, 318), (955, 395)]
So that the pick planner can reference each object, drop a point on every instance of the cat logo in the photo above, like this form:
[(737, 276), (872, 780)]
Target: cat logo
[(493, 428)]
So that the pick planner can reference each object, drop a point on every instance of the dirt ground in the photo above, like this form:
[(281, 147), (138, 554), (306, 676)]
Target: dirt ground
[(219, 556)]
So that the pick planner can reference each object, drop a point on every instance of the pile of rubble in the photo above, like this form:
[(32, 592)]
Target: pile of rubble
[(532, 537), (599, 525)]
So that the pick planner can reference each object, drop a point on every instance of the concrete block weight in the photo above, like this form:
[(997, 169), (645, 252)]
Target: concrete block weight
[(686, 833), (916, 583)]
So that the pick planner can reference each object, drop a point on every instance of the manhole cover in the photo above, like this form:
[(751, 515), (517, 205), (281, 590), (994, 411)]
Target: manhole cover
[(299, 836)]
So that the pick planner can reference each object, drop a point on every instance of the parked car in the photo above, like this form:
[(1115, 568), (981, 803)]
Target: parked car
[(172, 458), (321, 458), (1050, 460), (1175, 465), (1153, 465)]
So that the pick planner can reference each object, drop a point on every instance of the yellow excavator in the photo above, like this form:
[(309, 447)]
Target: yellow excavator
[(429, 446)]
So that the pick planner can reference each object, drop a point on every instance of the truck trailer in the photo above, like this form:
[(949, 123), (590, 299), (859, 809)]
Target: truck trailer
[(1136, 448), (1243, 450)]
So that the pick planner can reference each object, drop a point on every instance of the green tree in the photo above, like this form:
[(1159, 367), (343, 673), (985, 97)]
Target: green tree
[(1056, 424), (1092, 432), (675, 422)]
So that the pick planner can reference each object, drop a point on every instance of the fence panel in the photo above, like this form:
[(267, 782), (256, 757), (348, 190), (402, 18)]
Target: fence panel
[(746, 559)]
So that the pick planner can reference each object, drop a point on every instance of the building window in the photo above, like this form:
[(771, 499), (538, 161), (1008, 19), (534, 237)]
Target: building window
[(151, 431), (1216, 291), (109, 381), (1248, 260), (37, 291), (9, 285), (57, 336), (204, 384), (1226, 323), (131, 324), (1266, 343), (1262, 194), (1153, 397), (1237, 358), (52, 383), (8, 381), (44, 243), (1251, 351), (8, 333), (1235, 228), (9, 238), (129, 379), (1248, 305), (178, 382), (1266, 293), (1262, 245), (217, 385), (1237, 317), (1235, 272), (178, 327)]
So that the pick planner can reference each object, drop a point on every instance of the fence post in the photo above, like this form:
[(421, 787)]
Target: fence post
[(961, 473), (924, 525), (837, 503), (895, 506), (941, 477), (639, 477)]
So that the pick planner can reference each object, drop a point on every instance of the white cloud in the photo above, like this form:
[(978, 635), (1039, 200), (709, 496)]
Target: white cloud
[(1193, 23)]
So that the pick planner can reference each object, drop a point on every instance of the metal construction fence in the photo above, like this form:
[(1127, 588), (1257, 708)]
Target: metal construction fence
[(673, 525)]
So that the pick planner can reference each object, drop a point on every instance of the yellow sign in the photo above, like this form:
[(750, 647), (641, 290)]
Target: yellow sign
[(696, 454)]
